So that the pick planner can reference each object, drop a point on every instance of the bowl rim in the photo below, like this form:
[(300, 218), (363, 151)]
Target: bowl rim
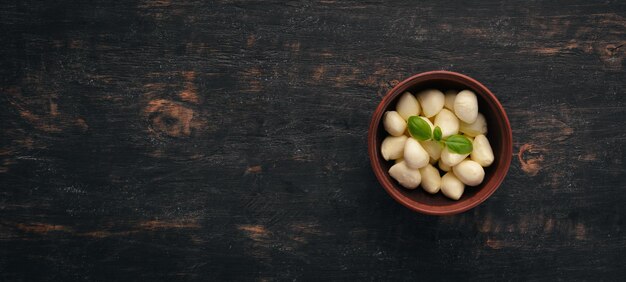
[(373, 151)]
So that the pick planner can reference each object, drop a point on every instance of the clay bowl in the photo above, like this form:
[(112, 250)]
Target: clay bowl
[(499, 135)]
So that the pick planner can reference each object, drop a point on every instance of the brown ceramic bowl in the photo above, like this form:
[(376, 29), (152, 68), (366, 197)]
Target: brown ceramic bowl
[(499, 135)]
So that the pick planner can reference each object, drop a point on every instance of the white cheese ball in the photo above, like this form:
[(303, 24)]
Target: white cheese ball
[(433, 148), (443, 166), (466, 106), (482, 152), (409, 178), (394, 124), (448, 122), (451, 186), (414, 154), (431, 100), (407, 106), (449, 97), (479, 126), (469, 172), (450, 158), (393, 147), (431, 180)]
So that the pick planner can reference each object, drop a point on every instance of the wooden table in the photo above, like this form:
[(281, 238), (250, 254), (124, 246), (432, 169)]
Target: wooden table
[(193, 140)]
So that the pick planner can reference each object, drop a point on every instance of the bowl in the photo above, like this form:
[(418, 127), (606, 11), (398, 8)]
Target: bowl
[(498, 133)]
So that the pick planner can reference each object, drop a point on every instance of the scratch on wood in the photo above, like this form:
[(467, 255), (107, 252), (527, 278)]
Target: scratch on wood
[(155, 3), (105, 234), (190, 92), (293, 46), (376, 78), (251, 79), (510, 228), (523, 225), (254, 169), (318, 73), (189, 75), (310, 228), (476, 32), (81, 123), (6, 163), (42, 228), (255, 232), (299, 239), (445, 27), (75, 44), (380, 79), (250, 41), (588, 157), (549, 225), (494, 244), (544, 50), (54, 109), (38, 122), (345, 76), (168, 224), (549, 27), (53, 120), (326, 54), (580, 232), (532, 165), (486, 225), (149, 225)]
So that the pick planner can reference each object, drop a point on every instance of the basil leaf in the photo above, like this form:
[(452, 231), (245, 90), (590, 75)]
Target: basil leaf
[(419, 128), (437, 133), (459, 144)]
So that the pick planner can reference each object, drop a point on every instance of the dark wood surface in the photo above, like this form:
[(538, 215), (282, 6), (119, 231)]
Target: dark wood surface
[(193, 140)]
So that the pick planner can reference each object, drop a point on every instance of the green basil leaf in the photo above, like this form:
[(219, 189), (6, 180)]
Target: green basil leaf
[(419, 128), (459, 144), (437, 133)]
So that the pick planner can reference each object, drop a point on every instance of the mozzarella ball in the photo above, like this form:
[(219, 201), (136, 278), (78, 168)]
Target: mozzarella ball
[(432, 101), (469, 172), (449, 97), (479, 126), (431, 180), (450, 158), (394, 123), (482, 152), (443, 166), (451, 186), (448, 122), (407, 177), (414, 155), (407, 106), (466, 106), (433, 148), (393, 147)]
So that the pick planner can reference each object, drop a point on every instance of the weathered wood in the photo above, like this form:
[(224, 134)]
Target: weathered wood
[(162, 140)]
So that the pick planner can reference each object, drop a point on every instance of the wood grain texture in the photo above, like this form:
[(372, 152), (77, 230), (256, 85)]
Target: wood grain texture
[(226, 140)]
